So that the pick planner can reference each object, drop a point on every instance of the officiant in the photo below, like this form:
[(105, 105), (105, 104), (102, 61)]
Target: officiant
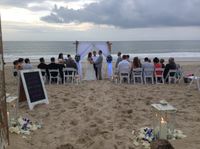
[(94, 58)]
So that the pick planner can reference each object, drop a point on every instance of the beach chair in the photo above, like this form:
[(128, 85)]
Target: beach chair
[(148, 74), (54, 76), (69, 75), (195, 78), (172, 76), (158, 73), (124, 76), (137, 75)]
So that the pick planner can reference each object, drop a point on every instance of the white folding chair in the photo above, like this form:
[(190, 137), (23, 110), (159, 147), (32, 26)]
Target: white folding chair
[(158, 73), (54, 75), (172, 76), (195, 78), (148, 75), (44, 75), (123, 76), (69, 74), (137, 75)]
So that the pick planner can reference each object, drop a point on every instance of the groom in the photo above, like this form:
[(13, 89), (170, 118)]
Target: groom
[(98, 64)]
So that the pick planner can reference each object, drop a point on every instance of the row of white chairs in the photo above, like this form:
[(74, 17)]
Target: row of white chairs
[(69, 76), (140, 75)]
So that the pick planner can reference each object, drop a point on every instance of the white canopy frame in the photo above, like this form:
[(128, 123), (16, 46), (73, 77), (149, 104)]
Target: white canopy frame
[(83, 48)]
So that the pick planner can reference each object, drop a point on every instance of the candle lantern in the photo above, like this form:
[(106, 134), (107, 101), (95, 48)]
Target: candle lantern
[(164, 116), (12, 108)]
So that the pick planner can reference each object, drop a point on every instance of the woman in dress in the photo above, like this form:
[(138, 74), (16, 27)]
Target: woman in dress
[(90, 73)]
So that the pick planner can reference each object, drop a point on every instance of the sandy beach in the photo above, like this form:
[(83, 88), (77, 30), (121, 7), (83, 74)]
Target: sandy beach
[(102, 115)]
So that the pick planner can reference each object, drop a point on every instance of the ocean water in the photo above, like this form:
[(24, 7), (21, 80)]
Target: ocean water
[(35, 49)]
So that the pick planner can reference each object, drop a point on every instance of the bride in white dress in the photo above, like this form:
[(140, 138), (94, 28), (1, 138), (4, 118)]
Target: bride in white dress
[(90, 73)]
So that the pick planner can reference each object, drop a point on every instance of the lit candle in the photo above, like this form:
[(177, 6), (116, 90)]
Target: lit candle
[(163, 129)]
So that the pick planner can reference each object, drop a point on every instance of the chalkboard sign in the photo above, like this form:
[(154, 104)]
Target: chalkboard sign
[(34, 87)]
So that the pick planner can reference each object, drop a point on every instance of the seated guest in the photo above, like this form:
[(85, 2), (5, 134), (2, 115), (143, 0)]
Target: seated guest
[(53, 65), (147, 65), (70, 63), (43, 65), (136, 63), (157, 65), (16, 68), (162, 62), (119, 59), (128, 58), (27, 64), (60, 58), (124, 66), (170, 66), (20, 63)]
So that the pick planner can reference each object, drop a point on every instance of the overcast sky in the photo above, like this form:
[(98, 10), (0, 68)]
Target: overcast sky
[(100, 19)]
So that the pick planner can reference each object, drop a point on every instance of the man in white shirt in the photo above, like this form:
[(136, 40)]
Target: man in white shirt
[(124, 66), (27, 64), (94, 58)]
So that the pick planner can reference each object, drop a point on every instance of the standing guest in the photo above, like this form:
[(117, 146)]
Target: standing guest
[(136, 63), (60, 58), (170, 66), (162, 62), (27, 64), (94, 58), (124, 65), (119, 59)]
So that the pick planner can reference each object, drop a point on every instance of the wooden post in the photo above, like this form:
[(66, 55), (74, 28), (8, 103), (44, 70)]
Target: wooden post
[(109, 46), (3, 106), (76, 44)]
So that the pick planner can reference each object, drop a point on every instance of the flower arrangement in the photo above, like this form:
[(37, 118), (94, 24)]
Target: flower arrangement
[(24, 126), (144, 136), (109, 59), (77, 58)]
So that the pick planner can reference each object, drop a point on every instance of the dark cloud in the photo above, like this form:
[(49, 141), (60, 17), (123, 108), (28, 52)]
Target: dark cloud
[(132, 13)]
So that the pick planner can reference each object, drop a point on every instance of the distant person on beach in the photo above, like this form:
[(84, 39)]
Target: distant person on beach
[(119, 59), (162, 62), (27, 64), (124, 66), (170, 66), (136, 63)]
